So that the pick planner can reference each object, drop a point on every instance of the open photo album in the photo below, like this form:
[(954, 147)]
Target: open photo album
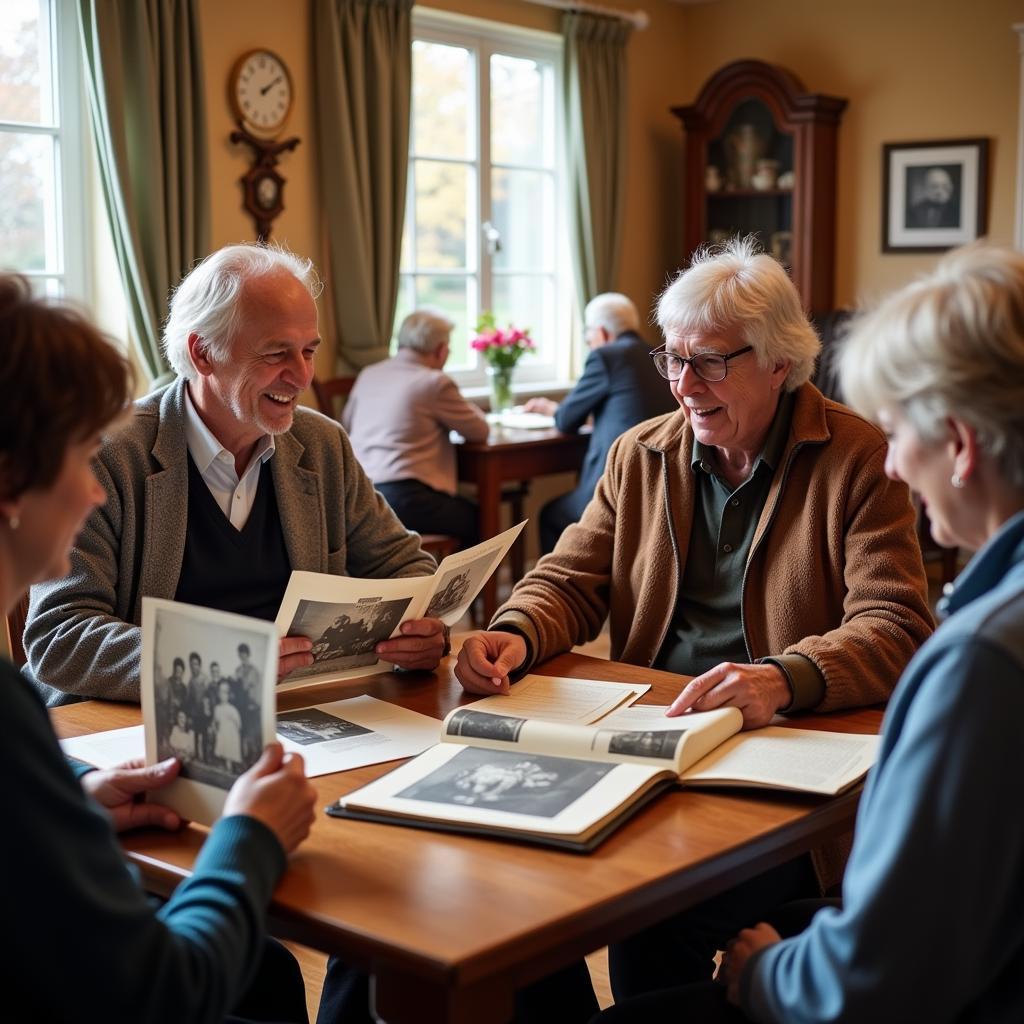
[(346, 618), (570, 785)]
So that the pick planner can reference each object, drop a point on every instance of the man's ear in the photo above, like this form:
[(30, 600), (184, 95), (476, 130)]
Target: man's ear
[(779, 373), (199, 354)]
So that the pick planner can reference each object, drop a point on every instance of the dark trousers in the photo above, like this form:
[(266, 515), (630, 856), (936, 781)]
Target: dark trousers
[(565, 997), (559, 513), (425, 510), (277, 992), (705, 1002), (681, 949)]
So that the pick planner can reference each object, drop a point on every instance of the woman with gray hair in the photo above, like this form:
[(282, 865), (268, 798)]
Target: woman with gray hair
[(940, 837), (751, 539)]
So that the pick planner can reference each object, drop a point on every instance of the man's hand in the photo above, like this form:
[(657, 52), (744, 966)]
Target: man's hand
[(420, 646), (275, 791), (119, 791), (738, 952), (757, 690), (486, 659), (542, 405), (293, 653)]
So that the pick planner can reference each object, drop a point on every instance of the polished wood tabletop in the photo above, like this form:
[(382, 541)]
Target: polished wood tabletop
[(450, 926), (511, 454)]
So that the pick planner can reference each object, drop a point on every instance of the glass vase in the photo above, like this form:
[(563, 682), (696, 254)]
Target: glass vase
[(501, 388)]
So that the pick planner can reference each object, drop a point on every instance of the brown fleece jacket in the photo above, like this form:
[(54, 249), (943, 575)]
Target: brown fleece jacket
[(834, 571)]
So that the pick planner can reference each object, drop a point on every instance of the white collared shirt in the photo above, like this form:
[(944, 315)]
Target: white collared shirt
[(216, 466)]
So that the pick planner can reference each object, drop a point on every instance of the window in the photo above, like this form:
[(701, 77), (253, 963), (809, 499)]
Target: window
[(40, 145), (483, 228)]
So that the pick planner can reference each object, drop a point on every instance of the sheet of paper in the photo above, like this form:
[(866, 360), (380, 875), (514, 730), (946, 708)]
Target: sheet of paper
[(642, 717), (330, 737), (107, 749), (558, 699), (518, 419), (355, 732)]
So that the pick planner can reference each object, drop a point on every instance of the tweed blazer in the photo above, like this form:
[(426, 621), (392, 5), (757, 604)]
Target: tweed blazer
[(83, 637), (834, 572)]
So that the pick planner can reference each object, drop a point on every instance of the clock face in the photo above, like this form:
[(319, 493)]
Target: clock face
[(261, 91)]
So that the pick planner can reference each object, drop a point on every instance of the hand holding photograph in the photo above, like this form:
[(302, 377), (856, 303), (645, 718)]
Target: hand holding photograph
[(346, 618), (216, 715)]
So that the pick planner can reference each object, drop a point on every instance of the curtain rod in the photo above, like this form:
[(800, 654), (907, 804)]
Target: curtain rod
[(638, 19)]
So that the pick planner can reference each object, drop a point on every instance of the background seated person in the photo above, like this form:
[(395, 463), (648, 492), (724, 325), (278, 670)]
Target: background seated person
[(219, 486), (751, 539), (398, 417), (89, 946), (938, 844), (619, 387)]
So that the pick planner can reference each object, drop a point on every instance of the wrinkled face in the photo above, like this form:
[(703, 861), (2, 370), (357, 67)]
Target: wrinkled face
[(926, 467), (733, 414), (255, 391), (938, 185), (52, 517)]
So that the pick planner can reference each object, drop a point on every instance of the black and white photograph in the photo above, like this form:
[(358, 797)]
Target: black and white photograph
[(934, 194), (508, 781), (458, 587), (208, 703), (344, 635), (503, 728), (649, 743), (311, 725)]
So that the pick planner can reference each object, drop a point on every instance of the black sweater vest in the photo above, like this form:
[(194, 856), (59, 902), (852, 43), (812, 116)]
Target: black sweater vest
[(244, 571)]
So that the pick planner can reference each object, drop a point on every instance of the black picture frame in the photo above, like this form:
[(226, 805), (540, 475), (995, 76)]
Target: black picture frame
[(934, 194)]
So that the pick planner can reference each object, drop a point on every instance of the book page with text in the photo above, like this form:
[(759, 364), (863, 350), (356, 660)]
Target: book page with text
[(558, 699)]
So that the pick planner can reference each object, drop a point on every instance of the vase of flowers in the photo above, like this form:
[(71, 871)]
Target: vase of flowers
[(501, 348)]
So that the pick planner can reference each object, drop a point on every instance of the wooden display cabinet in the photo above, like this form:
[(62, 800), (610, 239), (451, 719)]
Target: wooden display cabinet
[(761, 159)]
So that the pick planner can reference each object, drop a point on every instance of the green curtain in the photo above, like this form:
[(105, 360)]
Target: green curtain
[(362, 59), (146, 98), (595, 118)]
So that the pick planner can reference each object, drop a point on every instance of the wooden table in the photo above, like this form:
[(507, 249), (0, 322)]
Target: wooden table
[(510, 454), (450, 926)]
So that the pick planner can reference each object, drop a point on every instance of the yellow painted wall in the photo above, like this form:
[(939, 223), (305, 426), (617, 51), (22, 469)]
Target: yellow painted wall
[(911, 69)]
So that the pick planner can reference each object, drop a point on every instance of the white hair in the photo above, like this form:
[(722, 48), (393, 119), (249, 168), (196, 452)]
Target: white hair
[(613, 312), (948, 345), (425, 330), (206, 303), (738, 290)]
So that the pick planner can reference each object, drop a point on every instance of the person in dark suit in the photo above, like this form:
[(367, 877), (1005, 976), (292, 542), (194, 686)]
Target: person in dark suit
[(619, 388)]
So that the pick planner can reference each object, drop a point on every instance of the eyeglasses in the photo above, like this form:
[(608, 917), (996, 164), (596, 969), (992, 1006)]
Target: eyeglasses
[(709, 366)]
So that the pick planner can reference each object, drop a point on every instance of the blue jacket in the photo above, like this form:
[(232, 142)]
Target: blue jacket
[(621, 388), (85, 943), (932, 925)]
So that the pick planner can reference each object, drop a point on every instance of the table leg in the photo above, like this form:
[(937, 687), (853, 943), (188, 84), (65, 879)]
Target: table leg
[(488, 494), (398, 998)]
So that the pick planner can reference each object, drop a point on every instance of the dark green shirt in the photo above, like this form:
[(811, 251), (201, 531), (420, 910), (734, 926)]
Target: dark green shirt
[(707, 626)]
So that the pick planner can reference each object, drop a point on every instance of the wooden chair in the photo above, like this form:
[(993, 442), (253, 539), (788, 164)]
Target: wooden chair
[(16, 631), (327, 392)]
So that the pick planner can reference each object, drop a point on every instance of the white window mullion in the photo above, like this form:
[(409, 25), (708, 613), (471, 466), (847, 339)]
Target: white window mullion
[(485, 262)]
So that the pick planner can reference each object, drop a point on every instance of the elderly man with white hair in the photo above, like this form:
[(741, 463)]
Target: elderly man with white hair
[(618, 387), (219, 486), (751, 539), (399, 416)]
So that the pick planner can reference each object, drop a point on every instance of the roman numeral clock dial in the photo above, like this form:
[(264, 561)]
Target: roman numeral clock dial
[(260, 90)]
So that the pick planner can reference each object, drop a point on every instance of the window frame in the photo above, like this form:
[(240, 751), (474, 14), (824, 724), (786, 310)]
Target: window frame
[(67, 131), (483, 39)]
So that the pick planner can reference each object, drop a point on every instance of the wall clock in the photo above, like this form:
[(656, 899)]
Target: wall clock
[(260, 89)]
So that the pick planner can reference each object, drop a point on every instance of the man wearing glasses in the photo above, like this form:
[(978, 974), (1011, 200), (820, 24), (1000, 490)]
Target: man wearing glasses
[(750, 539)]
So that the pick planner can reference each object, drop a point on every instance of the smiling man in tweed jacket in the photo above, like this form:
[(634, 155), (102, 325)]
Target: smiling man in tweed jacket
[(219, 486)]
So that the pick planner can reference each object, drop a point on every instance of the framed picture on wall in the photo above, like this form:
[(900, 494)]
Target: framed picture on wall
[(934, 194)]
